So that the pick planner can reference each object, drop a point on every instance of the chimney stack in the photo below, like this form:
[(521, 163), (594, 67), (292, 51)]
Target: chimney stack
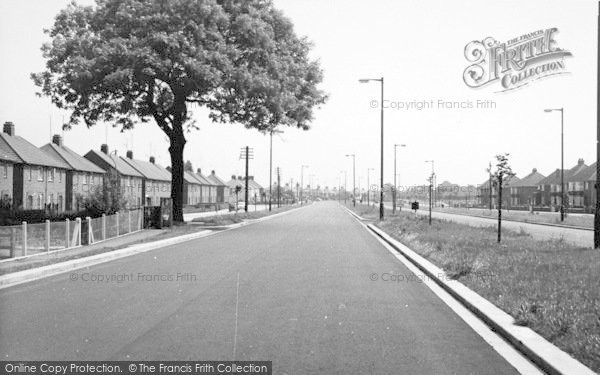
[(130, 154), (199, 171), (152, 160), (9, 128), (580, 161), (534, 170), (233, 177), (212, 172), (104, 148), (57, 140)]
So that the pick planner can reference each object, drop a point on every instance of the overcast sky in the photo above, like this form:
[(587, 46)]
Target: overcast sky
[(418, 46)]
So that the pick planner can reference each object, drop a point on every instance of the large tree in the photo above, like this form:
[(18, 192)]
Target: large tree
[(132, 61)]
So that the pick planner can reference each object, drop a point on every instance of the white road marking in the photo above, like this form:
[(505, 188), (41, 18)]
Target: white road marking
[(237, 294)]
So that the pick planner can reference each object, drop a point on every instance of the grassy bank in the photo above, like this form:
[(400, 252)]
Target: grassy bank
[(550, 286), (576, 220)]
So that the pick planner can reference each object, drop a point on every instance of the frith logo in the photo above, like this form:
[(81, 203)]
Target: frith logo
[(514, 63)]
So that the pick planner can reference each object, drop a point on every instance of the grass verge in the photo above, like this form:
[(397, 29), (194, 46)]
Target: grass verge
[(234, 218), (552, 287)]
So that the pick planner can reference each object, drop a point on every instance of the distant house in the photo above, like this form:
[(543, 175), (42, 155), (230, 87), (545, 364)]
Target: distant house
[(255, 190), (130, 181), (484, 194), (30, 178), (156, 182), (232, 185), (549, 189), (578, 188), (523, 191), (84, 177), (222, 190), (192, 194), (208, 188)]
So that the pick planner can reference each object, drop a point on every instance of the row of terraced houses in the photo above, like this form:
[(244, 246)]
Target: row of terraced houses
[(544, 192), (54, 177)]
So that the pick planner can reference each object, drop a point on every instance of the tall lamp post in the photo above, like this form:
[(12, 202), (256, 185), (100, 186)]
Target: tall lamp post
[(302, 183), (394, 192), (562, 160), (353, 178), (368, 185), (366, 80)]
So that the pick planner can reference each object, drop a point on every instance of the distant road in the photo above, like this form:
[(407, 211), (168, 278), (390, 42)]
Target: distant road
[(579, 237)]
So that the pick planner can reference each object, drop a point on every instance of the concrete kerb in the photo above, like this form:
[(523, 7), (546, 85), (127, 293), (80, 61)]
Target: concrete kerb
[(24, 276), (538, 350)]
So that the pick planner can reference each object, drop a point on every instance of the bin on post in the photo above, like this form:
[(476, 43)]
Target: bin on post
[(166, 212)]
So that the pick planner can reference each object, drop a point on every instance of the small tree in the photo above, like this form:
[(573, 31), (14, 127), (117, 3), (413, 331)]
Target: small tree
[(188, 167), (502, 174)]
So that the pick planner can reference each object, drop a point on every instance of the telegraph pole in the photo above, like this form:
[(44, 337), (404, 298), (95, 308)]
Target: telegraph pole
[(246, 153), (278, 187), (597, 185)]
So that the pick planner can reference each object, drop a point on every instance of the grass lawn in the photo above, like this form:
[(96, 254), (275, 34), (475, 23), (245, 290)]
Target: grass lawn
[(241, 215), (550, 286), (577, 220)]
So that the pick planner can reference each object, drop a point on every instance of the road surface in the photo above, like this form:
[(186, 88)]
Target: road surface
[(579, 237), (295, 290)]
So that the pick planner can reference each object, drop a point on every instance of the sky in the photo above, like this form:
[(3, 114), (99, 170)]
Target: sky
[(417, 46)]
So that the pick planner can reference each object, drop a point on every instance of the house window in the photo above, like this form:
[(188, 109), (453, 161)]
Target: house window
[(40, 174), (29, 204), (5, 171), (40, 201), (60, 202), (30, 173), (51, 174)]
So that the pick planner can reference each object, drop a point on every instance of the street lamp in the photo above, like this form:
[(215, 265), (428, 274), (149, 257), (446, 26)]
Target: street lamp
[(353, 178), (395, 186), (369, 186), (345, 183), (366, 80), (271, 163), (302, 183), (562, 160)]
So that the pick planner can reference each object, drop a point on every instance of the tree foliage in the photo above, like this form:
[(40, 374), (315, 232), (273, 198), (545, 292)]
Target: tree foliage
[(130, 61)]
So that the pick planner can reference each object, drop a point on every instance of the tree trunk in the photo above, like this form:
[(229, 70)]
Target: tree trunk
[(176, 151), (499, 209)]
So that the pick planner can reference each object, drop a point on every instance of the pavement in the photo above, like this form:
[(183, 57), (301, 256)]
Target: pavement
[(296, 290), (251, 208), (580, 237)]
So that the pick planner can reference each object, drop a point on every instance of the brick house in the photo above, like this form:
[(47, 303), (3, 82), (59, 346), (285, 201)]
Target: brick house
[(192, 194), (483, 193), (580, 187), (156, 182), (84, 177), (123, 174), (208, 188), (222, 190), (590, 192), (522, 192), (549, 188), (255, 190), (37, 180)]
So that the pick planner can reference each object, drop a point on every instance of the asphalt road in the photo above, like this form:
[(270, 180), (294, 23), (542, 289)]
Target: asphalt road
[(305, 300), (579, 237)]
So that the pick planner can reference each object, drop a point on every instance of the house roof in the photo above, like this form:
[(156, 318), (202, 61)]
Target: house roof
[(191, 178), (149, 170), (75, 161), (7, 153), (242, 182), (203, 180), (531, 180), (215, 179), (116, 162), (554, 177), (28, 153), (584, 174)]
